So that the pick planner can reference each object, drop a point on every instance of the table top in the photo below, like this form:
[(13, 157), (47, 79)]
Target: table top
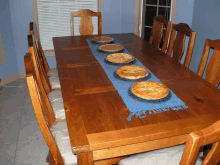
[(95, 112)]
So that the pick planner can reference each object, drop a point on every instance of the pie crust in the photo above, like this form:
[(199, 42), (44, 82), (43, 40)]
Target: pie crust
[(150, 90), (132, 72), (120, 58), (103, 39), (110, 48)]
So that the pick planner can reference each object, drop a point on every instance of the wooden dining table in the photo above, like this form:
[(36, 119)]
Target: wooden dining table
[(96, 114)]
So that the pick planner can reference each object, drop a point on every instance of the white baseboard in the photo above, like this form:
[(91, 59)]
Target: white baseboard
[(49, 53), (13, 77), (22, 74)]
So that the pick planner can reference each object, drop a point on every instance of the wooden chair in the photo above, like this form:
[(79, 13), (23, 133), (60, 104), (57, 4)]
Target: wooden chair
[(177, 44), (189, 151), (54, 98), (86, 27), (34, 31), (34, 52), (157, 32), (213, 68), (55, 133), (51, 81)]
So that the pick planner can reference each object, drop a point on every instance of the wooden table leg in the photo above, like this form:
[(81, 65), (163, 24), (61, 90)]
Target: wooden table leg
[(213, 155), (85, 158)]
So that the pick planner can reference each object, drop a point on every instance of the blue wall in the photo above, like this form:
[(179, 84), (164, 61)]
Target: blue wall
[(111, 16), (184, 11), (21, 16), (10, 66), (118, 16), (206, 24), (184, 14), (127, 16)]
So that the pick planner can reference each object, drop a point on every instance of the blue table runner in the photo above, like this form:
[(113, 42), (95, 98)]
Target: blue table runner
[(136, 105)]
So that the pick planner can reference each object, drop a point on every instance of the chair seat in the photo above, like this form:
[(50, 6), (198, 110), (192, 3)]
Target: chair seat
[(58, 109), (54, 82), (53, 73), (56, 101), (60, 133), (55, 95), (165, 156), (54, 78)]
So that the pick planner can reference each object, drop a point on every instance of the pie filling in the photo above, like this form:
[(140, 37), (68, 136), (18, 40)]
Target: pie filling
[(132, 72), (150, 90), (120, 58), (110, 47)]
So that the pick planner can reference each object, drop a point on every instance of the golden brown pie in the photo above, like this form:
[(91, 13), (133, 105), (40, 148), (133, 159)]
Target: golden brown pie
[(120, 58), (132, 72), (103, 39), (110, 48), (150, 90)]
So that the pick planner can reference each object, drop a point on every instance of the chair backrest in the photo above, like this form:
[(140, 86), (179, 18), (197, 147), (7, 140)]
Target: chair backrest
[(177, 44), (39, 80), (44, 116), (86, 27), (213, 68), (34, 31), (157, 32), (38, 64), (200, 138)]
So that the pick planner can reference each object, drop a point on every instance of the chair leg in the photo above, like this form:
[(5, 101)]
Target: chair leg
[(50, 159), (213, 155), (85, 158)]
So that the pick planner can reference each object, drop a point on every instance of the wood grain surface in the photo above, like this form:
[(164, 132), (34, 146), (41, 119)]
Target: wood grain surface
[(177, 42), (96, 114), (157, 32), (86, 26)]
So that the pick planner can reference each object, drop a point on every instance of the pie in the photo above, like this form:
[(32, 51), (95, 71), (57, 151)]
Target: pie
[(120, 58), (132, 72), (150, 90), (110, 48), (103, 39)]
